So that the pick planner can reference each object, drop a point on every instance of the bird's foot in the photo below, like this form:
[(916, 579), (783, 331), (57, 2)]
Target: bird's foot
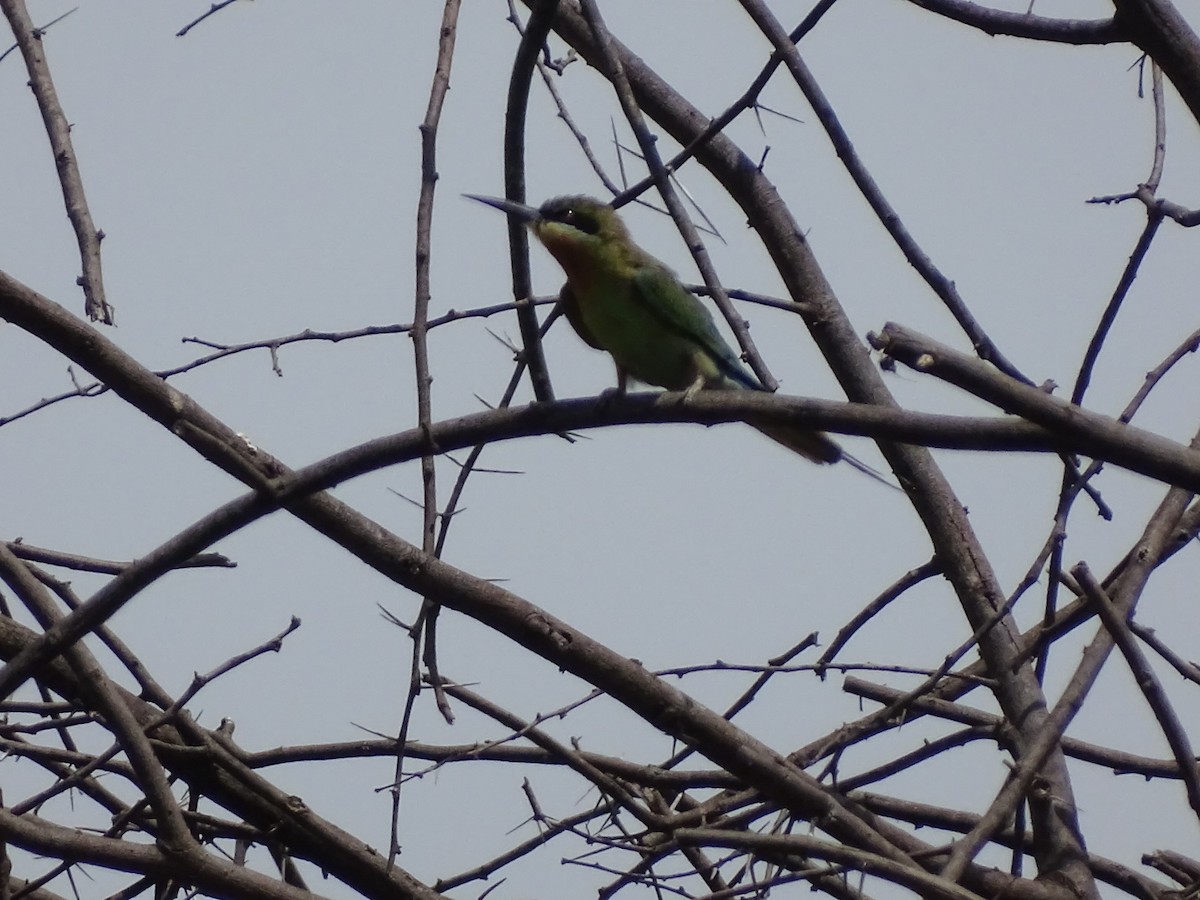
[(694, 388), (619, 390), (610, 395)]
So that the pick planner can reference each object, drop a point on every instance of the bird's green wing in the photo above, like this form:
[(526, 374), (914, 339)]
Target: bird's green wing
[(658, 291), (569, 304)]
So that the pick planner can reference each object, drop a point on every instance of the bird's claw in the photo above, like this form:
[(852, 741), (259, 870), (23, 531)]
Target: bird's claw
[(609, 395), (693, 389)]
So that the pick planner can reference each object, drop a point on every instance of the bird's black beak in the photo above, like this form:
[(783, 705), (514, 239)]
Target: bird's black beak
[(519, 211)]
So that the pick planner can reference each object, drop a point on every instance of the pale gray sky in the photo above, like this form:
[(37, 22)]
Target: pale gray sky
[(259, 176)]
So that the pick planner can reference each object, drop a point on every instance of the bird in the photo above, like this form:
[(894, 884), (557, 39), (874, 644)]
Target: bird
[(624, 301)]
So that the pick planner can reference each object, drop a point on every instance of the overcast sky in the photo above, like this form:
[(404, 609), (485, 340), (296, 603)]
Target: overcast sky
[(259, 177)]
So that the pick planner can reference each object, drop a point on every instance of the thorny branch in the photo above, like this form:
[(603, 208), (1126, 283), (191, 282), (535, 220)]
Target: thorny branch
[(747, 818), (58, 129)]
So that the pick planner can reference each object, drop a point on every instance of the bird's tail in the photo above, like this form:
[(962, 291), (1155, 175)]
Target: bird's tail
[(816, 446), (812, 445)]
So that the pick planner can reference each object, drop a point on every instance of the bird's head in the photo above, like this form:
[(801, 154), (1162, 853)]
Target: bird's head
[(579, 231)]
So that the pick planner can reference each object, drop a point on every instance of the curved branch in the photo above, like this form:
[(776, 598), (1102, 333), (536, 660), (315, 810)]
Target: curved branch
[(1059, 416), (532, 40), (204, 870), (1158, 28), (1023, 25)]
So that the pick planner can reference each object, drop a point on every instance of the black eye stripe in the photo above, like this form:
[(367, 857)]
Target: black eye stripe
[(576, 218), (584, 222)]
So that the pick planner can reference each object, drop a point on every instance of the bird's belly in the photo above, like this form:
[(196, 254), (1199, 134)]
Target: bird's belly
[(641, 345)]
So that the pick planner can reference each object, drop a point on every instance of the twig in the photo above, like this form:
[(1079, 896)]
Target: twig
[(1120, 762), (30, 553), (1188, 670), (1153, 220), (41, 29), (273, 645), (608, 785), (425, 629), (942, 286), (212, 11), (29, 39), (916, 879), (748, 100), (909, 579), (1147, 192), (1072, 483), (775, 665), (1151, 688), (272, 345), (563, 113)]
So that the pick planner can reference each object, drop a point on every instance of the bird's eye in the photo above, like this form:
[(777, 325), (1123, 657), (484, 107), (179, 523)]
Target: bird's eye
[(585, 222)]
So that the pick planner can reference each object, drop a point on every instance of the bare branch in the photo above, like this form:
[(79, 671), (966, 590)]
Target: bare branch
[(213, 9), (29, 39), (1037, 28)]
